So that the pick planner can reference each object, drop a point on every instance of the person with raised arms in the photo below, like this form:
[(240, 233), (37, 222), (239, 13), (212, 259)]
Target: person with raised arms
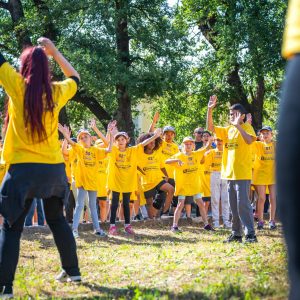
[(236, 168), (32, 149)]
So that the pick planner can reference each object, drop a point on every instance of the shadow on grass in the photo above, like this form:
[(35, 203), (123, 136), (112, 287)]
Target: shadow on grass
[(227, 291)]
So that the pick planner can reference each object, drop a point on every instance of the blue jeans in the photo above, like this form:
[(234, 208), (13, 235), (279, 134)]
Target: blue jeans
[(79, 207), (38, 204)]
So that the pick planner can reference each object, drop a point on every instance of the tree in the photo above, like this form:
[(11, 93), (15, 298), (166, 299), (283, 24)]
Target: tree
[(125, 51), (242, 47)]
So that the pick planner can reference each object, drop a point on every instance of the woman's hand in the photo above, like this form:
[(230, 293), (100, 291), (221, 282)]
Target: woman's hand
[(48, 46)]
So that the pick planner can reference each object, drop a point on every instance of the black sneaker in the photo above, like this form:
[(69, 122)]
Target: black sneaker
[(175, 229), (6, 292), (233, 238), (251, 238), (260, 225), (208, 227)]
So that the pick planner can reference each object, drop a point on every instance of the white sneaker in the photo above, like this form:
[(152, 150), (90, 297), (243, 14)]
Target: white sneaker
[(227, 225), (6, 292), (216, 225), (64, 277), (75, 234)]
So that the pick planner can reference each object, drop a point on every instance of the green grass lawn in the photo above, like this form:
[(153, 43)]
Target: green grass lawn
[(157, 264)]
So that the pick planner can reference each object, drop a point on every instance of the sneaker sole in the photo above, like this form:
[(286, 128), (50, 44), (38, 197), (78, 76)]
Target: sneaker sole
[(7, 296)]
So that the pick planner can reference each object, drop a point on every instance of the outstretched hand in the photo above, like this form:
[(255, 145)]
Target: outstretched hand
[(238, 118), (158, 132), (156, 117), (65, 130), (212, 101)]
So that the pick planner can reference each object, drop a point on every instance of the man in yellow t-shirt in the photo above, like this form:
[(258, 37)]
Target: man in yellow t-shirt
[(236, 168)]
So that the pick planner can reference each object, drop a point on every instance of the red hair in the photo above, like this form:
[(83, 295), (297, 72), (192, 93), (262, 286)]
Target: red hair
[(38, 94)]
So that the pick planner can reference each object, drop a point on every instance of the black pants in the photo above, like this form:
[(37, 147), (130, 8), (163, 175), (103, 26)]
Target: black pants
[(70, 206), (63, 237), (115, 205), (288, 166)]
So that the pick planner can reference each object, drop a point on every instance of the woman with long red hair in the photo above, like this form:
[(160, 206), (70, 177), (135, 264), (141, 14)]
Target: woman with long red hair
[(32, 149)]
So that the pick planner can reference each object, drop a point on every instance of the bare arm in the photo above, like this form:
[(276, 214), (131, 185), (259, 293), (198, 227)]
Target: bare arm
[(165, 173), (64, 64), (98, 132), (173, 161), (157, 134), (154, 122), (209, 119), (249, 139), (64, 147)]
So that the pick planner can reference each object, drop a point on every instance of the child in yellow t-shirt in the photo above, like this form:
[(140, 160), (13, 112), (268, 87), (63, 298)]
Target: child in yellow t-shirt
[(264, 175), (187, 179), (218, 186), (154, 177), (102, 191), (204, 173), (88, 157), (122, 174)]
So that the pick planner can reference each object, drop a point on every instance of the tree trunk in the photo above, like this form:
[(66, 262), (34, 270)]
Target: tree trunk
[(15, 9), (124, 114), (258, 103)]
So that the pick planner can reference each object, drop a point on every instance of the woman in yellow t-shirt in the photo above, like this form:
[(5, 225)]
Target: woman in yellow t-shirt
[(154, 175), (122, 174), (88, 157), (187, 164), (264, 175), (32, 150)]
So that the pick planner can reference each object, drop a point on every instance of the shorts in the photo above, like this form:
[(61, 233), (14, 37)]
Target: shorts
[(101, 198), (206, 199), (189, 199), (151, 193)]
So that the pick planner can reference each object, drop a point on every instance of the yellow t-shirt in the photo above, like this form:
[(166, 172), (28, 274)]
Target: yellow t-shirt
[(18, 145), (73, 162), (204, 175), (264, 165), (122, 169), (168, 150), (151, 164), (3, 170), (187, 176), (291, 38), (87, 166), (216, 160), (237, 154), (102, 177), (68, 168)]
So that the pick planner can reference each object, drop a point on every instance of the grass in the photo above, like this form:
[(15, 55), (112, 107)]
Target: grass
[(156, 264)]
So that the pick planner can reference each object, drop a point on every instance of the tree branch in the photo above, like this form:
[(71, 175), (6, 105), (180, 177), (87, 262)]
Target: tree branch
[(4, 5)]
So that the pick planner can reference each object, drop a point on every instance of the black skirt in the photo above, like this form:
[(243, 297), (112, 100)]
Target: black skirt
[(29, 180)]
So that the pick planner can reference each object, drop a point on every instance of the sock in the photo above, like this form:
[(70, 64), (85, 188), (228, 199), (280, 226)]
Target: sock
[(126, 225), (112, 225)]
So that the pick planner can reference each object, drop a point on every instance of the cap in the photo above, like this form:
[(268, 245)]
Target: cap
[(121, 133), (82, 131), (188, 139), (169, 128), (268, 128)]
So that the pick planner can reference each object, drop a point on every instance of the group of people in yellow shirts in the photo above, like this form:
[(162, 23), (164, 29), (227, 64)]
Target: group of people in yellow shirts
[(165, 178)]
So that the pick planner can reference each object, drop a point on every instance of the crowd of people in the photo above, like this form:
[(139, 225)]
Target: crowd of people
[(111, 180), (215, 171)]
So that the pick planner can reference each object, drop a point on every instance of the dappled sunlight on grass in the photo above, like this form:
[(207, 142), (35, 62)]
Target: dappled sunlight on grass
[(157, 264)]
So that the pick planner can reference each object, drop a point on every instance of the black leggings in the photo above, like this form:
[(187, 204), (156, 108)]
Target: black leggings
[(115, 205), (63, 237), (288, 166)]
